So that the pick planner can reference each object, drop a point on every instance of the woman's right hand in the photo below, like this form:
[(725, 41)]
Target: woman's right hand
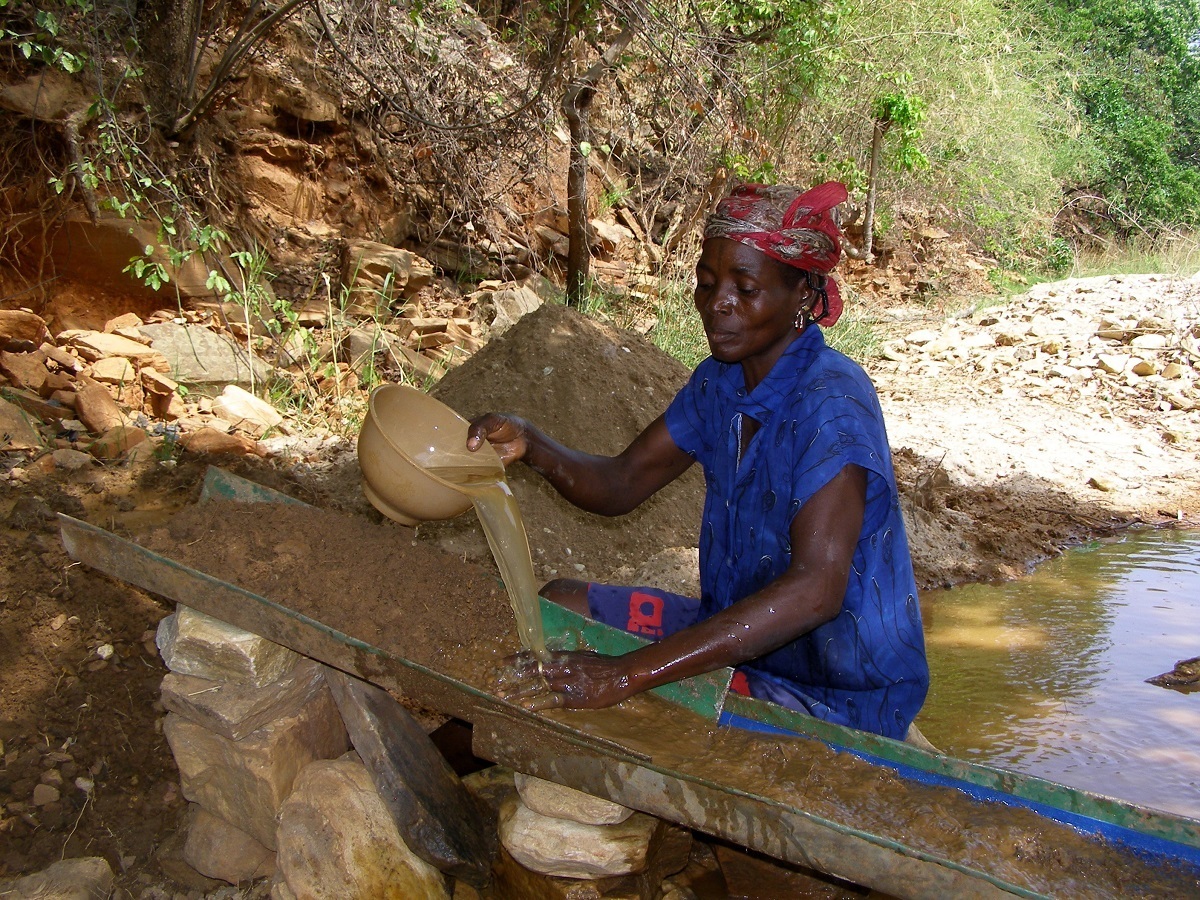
[(508, 435)]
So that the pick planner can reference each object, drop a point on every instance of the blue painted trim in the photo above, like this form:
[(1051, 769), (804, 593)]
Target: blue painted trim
[(1147, 846)]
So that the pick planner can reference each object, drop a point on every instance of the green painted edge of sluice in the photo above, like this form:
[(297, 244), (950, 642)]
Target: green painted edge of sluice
[(573, 631), (702, 694), (1152, 822)]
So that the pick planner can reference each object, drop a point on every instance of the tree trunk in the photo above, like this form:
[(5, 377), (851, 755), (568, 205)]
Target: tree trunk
[(880, 131), (575, 105), (167, 31)]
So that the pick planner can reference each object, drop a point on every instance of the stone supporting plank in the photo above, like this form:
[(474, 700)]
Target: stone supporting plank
[(571, 849), (192, 643), (337, 839), (561, 802), (236, 710), (246, 781), (216, 849), (434, 813)]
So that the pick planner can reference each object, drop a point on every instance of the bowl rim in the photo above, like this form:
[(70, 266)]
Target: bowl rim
[(373, 419)]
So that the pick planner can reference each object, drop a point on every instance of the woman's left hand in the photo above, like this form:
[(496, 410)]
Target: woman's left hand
[(565, 680)]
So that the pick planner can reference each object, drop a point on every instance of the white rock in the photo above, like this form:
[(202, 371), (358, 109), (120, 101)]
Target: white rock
[(922, 337), (336, 839), (1149, 342), (193, 643), (1114, 363), (558, 801), (572, 850), (246, 412), (978, 340)]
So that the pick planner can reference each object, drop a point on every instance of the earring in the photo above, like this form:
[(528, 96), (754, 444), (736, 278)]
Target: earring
[(800, 320)]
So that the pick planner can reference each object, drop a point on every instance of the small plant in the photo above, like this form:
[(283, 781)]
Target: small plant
[(39, 38), (855, 335), (1060, 257)]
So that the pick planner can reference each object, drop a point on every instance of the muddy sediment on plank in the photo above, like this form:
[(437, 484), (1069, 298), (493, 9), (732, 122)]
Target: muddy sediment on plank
[(377, 584), (373, 582)]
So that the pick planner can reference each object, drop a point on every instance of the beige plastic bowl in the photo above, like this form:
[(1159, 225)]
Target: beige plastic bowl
[(407, 432)]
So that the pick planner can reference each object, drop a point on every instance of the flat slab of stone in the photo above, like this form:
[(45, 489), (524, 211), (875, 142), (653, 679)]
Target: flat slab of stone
[(204, 360), (192, 643), (435, 815), (237, 710), (561, 802), (97, 345), (337, 839), (246, 781)]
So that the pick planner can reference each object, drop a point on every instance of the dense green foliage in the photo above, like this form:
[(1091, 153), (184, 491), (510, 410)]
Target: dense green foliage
[(1033, 116), (1131, 68)]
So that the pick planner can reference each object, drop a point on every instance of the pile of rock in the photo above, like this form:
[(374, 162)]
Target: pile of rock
[(277, 792), (564, 833), (99, 392), (245, 716), (192, 378), (1131, 341)]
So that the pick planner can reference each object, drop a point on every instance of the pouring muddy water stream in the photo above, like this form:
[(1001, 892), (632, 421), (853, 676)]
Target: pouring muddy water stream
[(416, 467), (501, 520)]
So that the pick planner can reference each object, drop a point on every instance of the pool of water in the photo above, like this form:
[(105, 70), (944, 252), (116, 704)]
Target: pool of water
[(1046, 675)]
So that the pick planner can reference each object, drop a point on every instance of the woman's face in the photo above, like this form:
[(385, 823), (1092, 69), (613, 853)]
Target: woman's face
[(748, 308)]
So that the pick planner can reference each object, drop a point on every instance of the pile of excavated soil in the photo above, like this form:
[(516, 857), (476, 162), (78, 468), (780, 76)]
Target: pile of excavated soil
[(591, 387)]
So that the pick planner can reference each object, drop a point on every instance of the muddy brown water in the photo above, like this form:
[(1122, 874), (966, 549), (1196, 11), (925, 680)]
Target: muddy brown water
[(1046, 674), (377, 584), (501, 519)]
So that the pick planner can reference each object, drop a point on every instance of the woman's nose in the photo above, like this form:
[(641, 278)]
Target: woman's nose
[(722, 300)]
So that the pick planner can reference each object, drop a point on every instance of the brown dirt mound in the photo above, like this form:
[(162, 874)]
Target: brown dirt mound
[(594, 388)]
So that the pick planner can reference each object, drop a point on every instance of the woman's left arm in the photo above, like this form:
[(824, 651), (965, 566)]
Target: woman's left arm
[(808, 594)]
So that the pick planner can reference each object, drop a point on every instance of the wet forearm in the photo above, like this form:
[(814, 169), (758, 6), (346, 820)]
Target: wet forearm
[(751, 628), (586, 480)]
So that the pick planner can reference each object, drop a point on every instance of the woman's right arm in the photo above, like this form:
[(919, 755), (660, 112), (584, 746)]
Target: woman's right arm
[(607, 485)]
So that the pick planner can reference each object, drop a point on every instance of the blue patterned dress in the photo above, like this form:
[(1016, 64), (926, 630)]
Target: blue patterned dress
[(817, 412)]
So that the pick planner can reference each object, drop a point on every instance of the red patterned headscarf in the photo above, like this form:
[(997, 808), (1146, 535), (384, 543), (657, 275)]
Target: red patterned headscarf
[(794, 228)]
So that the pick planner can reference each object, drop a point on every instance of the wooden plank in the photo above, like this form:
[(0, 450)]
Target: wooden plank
[(436, 815)]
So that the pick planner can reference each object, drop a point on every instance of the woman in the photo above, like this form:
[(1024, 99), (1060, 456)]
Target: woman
[(806, 582)]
